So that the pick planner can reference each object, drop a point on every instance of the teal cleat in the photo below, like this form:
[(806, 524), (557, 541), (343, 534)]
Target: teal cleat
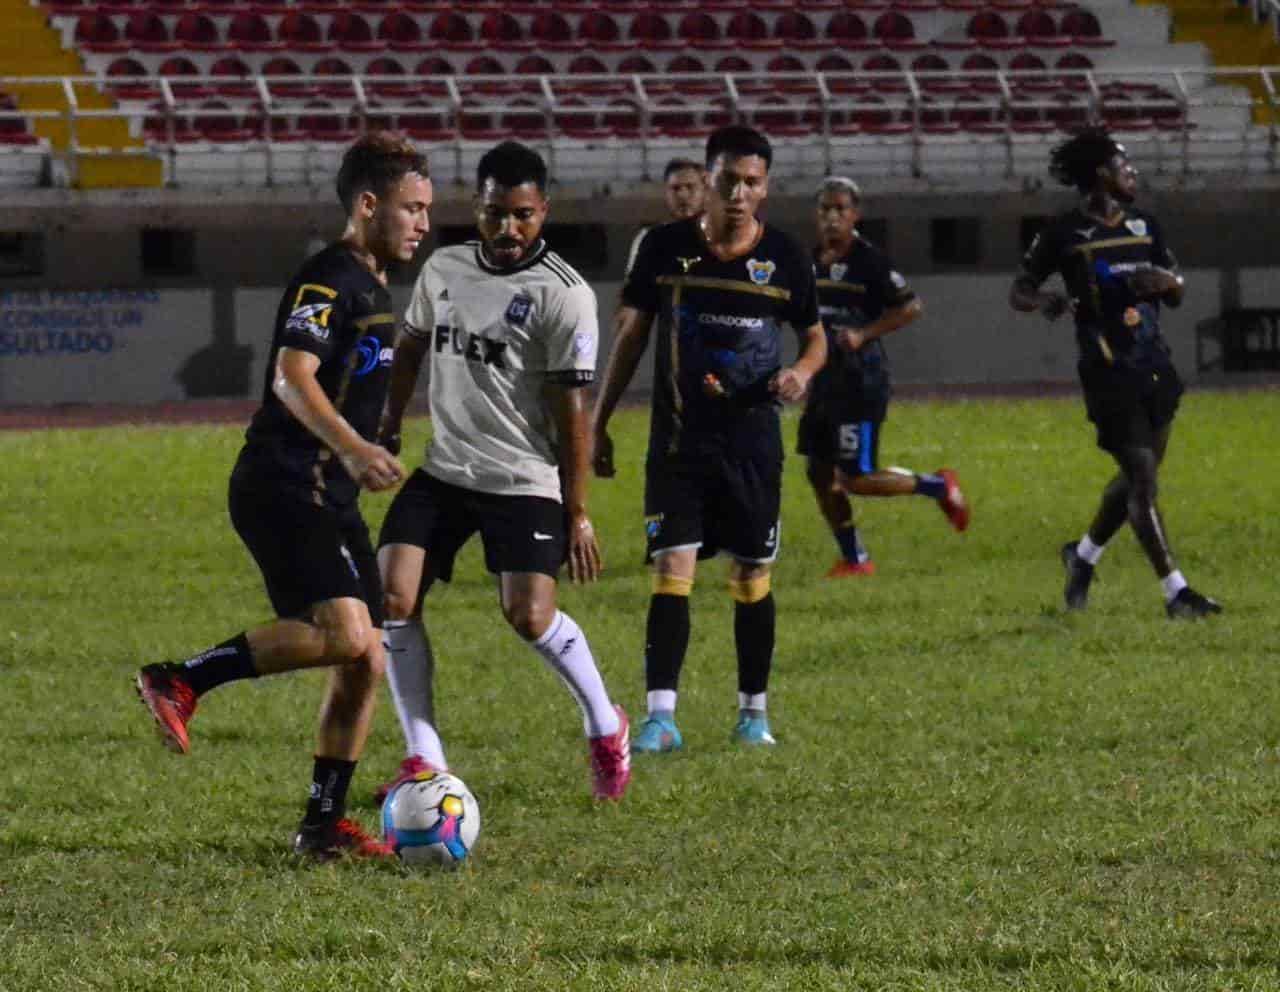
[(658, 734), (753, 729)]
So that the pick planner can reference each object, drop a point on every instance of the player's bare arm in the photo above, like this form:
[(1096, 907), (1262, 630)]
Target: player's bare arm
[(295, 383), (790, 383), (411, 350), (893, 319), (568, 405), (1025, 295), (631, 328)]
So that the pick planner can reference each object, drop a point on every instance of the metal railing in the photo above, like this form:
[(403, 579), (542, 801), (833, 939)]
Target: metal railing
[(918, 110)]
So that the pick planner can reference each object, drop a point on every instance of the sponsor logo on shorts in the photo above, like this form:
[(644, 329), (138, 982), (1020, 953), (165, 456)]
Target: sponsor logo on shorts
[(652, 526)]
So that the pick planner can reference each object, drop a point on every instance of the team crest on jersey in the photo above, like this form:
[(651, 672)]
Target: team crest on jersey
[(653, 526), (518, 310), (838, 270), (1137, 227), (760, 272), (584, 346)]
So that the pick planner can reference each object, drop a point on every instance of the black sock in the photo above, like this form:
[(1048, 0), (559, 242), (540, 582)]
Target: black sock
[(229, 661), (328, 799), (666, 640), (753, 632)]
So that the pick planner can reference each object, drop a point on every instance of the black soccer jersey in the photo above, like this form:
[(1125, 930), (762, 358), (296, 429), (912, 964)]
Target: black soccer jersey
[(1095, 260), (336, 309), (854, 292), (718, 335)]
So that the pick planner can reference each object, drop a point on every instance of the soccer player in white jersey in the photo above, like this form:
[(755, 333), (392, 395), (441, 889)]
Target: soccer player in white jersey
[(510, 331)]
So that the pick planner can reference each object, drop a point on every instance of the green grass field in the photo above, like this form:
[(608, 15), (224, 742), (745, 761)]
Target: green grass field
[(972, 790)]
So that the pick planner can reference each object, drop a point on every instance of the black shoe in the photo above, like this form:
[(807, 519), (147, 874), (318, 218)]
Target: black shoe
[(1190, 605), (1079, 575)]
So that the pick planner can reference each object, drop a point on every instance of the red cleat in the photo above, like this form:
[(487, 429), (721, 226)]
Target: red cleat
[(953, 502), (611, 760), (172, 703), (843, 568), (344, 838), (410, 768)]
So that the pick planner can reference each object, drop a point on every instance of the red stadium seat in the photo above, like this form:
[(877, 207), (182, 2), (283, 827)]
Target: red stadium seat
[(889, 77), (746, 26), (249, 30), (98, 32), (535, 65), (599, 27), (430, 124), (1038, 28), (197, 31), (550, 28), (353, 33), (451, 28), (849, 31), (121, 71), (147, 31), (733, 63), (683, 64), (589, 65), (1083, 28), (896, 30), (650, 28), (400, 28), (300, 31), (833, 62), (499, 29)]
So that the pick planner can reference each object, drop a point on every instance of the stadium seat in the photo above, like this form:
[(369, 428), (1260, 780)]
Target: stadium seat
[(352, 32), (551, 29), (236, 72), (849, 30), (147, 32), (888, 76), (194, 30), (177, 67), (250, 32), (97, 32), (124, 86), (301, 32), (1083, 28), (451, 30), (1038, 28), (895, 29), (385, 73), (640, 64)]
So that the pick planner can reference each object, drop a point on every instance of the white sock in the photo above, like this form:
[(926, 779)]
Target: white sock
[(1172, 584), (565, 650), (661, 700), (752, 701), (410, 668), (1088, 551)]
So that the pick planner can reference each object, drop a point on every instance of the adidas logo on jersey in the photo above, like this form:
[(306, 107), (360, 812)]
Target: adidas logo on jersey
[(472, 347)]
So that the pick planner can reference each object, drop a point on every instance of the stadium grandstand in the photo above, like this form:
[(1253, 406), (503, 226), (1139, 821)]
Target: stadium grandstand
[(148, 92)]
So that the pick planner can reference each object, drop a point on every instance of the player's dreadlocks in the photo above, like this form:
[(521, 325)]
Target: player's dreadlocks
[(1075, 162)]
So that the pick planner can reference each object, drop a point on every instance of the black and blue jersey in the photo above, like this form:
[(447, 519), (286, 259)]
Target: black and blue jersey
[(1095, 260), (718, 337), (855, 291), (337, 310)]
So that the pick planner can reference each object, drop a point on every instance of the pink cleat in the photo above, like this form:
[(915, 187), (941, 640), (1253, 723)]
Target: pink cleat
[(953, 502), (410, 768), (611, 760)]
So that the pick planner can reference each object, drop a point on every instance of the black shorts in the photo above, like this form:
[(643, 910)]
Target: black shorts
[(854, 444), (715, 503), (1130, 407), (520, 533), (307, 553)]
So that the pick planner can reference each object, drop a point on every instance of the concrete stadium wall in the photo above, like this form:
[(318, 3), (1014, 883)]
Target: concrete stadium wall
[(153, 346)]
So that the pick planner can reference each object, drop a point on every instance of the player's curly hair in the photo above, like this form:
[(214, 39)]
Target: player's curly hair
[(1075, 162), (512, 164), (375, 162)]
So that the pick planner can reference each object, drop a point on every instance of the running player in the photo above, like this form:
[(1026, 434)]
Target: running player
[(510, 332), (683, 190), (862, 298), (720, 285), (293, 492), (1117, 269)]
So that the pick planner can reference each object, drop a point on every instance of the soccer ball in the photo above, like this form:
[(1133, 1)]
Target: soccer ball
[(432, 819)]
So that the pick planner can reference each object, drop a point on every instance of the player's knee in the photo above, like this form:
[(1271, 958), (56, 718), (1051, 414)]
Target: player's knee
[(750, 590), (529, 618), (351, 641)]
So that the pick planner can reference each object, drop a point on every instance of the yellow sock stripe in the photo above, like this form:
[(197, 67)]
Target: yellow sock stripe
[(749, 590), (671, 585)]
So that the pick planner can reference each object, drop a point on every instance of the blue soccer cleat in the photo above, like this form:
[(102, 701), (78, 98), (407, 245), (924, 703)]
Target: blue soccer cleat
[(753, 729), (658, 734)]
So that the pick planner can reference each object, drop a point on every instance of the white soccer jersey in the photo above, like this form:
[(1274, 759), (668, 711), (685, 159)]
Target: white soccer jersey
[(496, 338)]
